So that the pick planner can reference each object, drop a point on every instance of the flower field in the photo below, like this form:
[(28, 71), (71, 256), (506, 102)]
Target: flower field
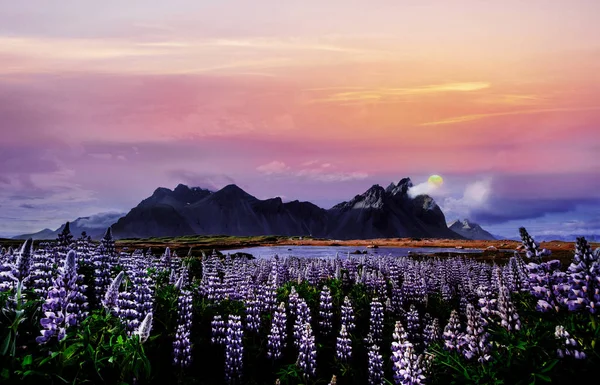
[(76, 312)]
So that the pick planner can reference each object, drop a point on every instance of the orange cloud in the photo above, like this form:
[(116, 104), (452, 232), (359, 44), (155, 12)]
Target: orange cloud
[(366, 94), (468, 118)]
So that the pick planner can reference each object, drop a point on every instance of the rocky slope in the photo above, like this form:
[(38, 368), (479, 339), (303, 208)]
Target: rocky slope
[(470, 230)]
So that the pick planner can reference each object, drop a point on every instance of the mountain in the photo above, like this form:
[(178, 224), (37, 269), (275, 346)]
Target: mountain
[(95, 226), (376, 213), (388, 213), (230, 211), (470, 230)]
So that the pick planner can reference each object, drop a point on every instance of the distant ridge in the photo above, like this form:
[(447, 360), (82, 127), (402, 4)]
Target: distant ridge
[(470, 230), (377, 213), (94, 226)]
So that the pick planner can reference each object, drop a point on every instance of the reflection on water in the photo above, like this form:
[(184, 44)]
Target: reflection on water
[(331, 251)]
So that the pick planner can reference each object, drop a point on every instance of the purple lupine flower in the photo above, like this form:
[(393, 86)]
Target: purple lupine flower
[(166, 260), (307, 352), (252, 312), (218, 330), (274, 342), (101, 262), (431, 333), (568, 345), (452, 335), (412, 323), (376, 321), (278, 333), (376, 374), (65, 303), (509, 318), (583, 276), (234, 350), (40, 276), (399, 345), (143, 331), (532, 248), (476, 343), (24, 260), (111, 297), (293, 301), (280, 319), (302, 317), (343, 345), (182, 350), (347, 314), (408, 369), (325, 310)]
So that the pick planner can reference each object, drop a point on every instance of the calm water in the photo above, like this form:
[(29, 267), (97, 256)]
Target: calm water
[(330, 251)]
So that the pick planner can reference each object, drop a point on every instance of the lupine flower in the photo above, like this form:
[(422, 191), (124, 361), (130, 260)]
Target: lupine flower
[(399, 345), (277, 335), (568, 345), (408, 368), (333, 380), (307, 355), (143, 331), (347, 314), (218, 330), (252, 312), (509, 318), (431, 333), (234, 349), (325, 310), (476, 338), (65, 303), (376, 320), (343, 345), (112, 294), (412, 323), (182, 350), (376, 374), (452, 335), (302, 317), (582, 289)]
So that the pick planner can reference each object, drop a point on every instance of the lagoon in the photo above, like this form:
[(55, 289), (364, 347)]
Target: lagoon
[(331, 251)]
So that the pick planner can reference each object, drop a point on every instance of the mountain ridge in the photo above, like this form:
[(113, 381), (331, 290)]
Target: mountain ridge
[(376, 213)]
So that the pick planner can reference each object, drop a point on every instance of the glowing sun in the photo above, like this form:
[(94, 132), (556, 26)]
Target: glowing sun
[(435, 180)]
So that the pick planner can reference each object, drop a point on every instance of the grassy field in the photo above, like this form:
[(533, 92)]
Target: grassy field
[(201, 243)]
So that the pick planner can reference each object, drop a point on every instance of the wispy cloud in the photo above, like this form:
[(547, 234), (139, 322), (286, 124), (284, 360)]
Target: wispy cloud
[(274, 167), (468, 118), (324, 172), (379, 93), (26, 54)]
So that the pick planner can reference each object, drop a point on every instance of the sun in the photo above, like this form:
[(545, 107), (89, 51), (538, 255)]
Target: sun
[(435, 180)]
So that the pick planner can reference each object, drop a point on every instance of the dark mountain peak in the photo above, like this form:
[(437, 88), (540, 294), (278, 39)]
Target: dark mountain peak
[(374, 197), (187, 195), (232, 192), (401, 188), (470, 230), (161, 192), (390, 188), (181, 188)]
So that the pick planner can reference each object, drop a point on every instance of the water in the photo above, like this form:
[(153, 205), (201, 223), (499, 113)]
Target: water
[(330, 251)]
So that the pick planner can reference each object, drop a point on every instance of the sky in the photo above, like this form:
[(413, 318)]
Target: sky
[(103, 102)]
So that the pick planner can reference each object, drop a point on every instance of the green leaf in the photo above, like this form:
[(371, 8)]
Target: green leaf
[(27, 360), (5, 344), (543, 377), (548, 368)]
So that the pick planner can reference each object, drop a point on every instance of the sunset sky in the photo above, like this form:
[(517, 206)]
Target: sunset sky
[(101, 102)]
